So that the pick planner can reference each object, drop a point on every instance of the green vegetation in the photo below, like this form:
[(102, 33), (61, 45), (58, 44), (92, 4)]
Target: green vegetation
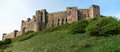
[(104, 27), (4, 44), (78, 27), (95, 35), (7, 41), (25, 36)]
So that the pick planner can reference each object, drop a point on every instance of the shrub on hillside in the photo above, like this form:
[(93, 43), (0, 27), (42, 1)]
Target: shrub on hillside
[(93, 19), (57, 28), (29, 32), (78, 27), (103, 27), (1, 43), (24, 36), (7, 41), (112, 29)]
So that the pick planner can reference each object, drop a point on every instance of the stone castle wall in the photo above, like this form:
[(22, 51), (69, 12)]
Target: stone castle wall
[(12, 35), (56, 19), (42, 19)]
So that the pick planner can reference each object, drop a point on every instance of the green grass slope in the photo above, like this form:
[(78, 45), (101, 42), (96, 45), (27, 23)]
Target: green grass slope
[(58, 39)]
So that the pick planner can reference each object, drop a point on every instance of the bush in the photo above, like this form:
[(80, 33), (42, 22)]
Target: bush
[(25, 36), (112, 29), (1, 43), (29, 32), (103, 27), (57, 28), (78, 27), (7, 41)]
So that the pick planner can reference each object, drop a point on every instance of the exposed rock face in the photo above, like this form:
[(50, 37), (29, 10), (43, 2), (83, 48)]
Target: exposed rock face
[(42, 19)]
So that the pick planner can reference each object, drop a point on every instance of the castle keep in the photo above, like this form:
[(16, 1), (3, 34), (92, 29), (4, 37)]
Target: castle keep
[(42, 19)]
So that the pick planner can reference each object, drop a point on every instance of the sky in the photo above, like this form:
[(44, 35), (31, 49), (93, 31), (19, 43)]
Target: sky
[(13, 11)]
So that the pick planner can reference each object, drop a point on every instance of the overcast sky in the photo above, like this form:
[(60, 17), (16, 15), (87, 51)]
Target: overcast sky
[(13, 11)]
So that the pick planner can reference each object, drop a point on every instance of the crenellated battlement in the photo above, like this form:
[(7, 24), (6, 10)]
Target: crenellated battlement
[(42, 19)]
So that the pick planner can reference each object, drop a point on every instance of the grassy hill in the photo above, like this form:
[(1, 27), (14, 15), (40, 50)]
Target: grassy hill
[(60, 39)]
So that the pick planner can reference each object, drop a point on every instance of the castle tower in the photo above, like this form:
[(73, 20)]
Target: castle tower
[(44, 18), (94, 11), (72, 14), (23, 27), (15, 33), (41, 20), (38, 22), (34, 18), (3, 36)]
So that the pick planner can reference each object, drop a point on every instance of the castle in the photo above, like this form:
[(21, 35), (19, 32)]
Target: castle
[(42, 19)]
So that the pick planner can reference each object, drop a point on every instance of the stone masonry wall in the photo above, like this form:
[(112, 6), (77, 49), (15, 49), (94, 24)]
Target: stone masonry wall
[(56, 19), (83, 14), (12, 35)]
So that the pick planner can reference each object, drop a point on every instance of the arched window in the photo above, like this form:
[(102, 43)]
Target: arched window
[(65, 20), (58, 23), (62, 22), (24, 30)]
